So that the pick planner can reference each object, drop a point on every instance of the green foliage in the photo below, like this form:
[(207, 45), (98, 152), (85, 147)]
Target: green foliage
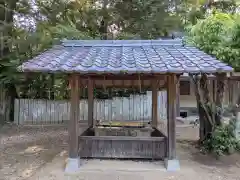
[(149, 19), (122, 36), (218, 35), (61, 31), (228, 6), (222, 141)]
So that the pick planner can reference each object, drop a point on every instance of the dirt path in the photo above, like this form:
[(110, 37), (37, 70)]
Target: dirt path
[(23, 150), (40, 153)]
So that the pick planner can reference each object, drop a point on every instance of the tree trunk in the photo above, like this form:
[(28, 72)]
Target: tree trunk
[(12, 93), (6, 16), (201, 122), (43, 89), (204, 105), (219, 97), (195, 81), (25, 90), (104, 23), (52, 79)]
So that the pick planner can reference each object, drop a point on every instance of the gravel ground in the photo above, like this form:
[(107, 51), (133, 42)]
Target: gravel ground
[(39, 153)]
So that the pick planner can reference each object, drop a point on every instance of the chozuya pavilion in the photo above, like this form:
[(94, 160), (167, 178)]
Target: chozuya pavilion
[(123, 63)]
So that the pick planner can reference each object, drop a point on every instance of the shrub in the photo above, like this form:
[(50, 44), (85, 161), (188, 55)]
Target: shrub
[(222, 141)]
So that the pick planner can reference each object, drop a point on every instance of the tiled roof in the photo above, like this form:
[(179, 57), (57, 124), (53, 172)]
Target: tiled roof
[(129, 56)]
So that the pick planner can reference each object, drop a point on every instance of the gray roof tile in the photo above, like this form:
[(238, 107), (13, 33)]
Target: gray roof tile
[(131, 56)]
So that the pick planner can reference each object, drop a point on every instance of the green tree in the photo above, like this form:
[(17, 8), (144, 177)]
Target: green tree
[(6, 26), (218, 35), (148, 19)]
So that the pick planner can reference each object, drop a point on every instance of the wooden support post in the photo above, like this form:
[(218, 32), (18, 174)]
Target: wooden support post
[(172, 164), (90, 102), (178, 97), (73, 124), (154, 104), (171, 114), (73, 163)]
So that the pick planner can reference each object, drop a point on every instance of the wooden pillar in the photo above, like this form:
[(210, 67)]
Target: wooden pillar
[(178, 96), (154, 104), (171, 114), (74, 116), (90, 102)]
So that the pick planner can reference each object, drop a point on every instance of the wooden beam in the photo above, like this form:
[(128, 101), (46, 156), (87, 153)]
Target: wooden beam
[(90, 102), (74, 116), (124, 83), (171, 115), (154, 103), (124, 76), (233, 78)]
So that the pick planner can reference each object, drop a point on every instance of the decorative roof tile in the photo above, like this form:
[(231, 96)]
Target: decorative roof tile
[(130, 56)]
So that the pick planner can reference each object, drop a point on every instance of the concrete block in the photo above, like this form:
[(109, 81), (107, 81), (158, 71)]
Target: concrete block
[(72, 165), (172, 165)]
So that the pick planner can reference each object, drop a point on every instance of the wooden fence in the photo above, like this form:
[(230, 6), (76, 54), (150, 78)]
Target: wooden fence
[(134, 108)]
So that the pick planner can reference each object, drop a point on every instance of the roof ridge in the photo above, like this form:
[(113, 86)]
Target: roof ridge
[(115, 43)]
